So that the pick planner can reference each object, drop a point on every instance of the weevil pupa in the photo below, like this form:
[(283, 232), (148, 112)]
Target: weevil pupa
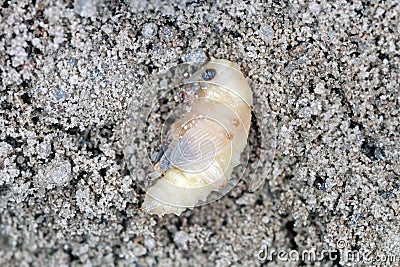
[(205, 142)]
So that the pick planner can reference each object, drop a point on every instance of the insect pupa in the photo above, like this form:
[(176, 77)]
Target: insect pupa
[(205, 143)]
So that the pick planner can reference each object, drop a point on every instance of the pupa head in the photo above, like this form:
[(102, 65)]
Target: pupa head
[(227, 74)]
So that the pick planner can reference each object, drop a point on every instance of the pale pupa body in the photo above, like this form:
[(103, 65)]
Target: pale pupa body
[(206, 142)]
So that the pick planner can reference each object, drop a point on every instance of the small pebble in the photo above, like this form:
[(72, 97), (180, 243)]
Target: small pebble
[(196, 55), (149, 30), (267, 33)]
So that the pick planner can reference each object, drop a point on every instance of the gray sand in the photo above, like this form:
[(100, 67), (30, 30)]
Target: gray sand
[(329, 74)]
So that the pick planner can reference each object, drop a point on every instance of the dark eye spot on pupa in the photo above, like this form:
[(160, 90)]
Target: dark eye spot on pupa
[(209, 74)]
